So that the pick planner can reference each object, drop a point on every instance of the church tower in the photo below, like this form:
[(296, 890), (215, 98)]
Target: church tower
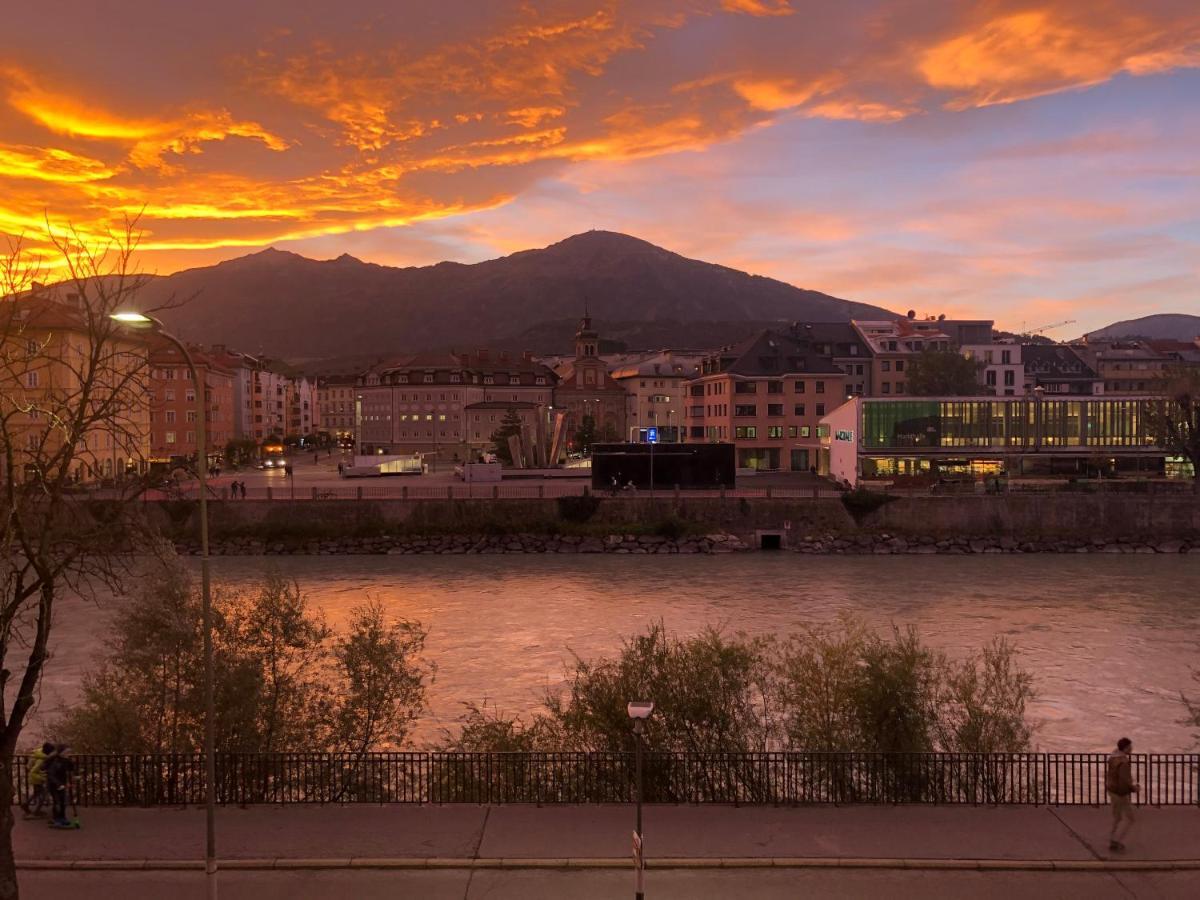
[(587, 341)]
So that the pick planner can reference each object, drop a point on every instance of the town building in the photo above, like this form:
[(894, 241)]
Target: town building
[(1058, 369), (46, 346), (174, 436), (589, 391), (893, 345), (419, 403), (1001, 373), (335, 406), (656, 388), (1125, 367), (843, 344), (766, 395), (935, 438)]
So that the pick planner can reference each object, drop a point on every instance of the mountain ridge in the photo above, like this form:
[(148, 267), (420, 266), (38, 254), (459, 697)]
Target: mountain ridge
[(288, 305)]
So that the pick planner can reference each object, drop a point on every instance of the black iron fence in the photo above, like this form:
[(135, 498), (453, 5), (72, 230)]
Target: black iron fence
[(774, 778)]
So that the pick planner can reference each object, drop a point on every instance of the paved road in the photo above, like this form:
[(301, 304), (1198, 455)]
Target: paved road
[(530, 832), (759, 884)]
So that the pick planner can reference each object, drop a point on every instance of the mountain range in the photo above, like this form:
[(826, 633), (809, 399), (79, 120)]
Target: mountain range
[(289, 306), (1165, 326)]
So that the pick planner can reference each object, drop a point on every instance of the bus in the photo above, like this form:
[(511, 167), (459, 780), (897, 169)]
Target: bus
[(271, 456)]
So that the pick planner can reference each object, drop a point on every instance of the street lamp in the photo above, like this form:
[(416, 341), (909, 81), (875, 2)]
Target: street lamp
[(141, 322), (639, 711)]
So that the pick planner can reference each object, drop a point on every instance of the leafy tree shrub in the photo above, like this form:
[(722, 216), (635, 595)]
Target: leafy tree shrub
[(510, 426), (283, 679)]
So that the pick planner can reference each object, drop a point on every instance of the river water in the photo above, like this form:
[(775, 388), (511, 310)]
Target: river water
[(1109, 639)]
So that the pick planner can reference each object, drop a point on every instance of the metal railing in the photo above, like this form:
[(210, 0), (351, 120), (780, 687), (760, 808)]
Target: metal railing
[(769, 778), (482, 491)]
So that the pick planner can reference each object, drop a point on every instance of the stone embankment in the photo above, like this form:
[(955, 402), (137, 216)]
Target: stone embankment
[(867, 544)]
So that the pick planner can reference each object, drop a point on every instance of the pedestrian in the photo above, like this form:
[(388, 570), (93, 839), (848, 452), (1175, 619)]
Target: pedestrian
[(341, 468), (615, 485), (316, 458), (1118, 781), (242, 488), (37, 780), (59, 767)]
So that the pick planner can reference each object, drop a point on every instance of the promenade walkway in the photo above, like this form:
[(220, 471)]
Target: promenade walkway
[(583, 852)]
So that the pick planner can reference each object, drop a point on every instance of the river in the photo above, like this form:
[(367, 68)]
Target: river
[(1109, 639)]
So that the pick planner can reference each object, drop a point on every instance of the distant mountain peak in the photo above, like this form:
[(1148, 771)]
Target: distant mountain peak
[(344, 306)]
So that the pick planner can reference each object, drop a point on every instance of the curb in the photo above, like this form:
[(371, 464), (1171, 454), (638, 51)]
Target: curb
[(763, 862)]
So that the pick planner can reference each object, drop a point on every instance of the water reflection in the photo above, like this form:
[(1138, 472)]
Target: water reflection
[(1109, 639)]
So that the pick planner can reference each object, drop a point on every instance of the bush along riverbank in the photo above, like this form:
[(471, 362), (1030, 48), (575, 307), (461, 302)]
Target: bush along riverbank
[(862, 544)]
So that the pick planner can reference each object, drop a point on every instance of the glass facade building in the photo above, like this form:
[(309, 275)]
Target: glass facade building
[(1006, 424), (979, 437)]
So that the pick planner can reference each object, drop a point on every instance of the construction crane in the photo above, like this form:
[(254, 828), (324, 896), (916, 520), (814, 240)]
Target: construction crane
[(1045, 328)]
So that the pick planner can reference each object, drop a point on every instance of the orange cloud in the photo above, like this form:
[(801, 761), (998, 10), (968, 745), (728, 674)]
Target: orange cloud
[(1041, 51), (150, 139), (371, 122), (759, 7)]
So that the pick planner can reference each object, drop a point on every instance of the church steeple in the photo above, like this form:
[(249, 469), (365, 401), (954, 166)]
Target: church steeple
[(587, 341)]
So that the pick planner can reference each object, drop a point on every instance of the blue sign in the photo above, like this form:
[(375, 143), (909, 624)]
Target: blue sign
[(652, 435)]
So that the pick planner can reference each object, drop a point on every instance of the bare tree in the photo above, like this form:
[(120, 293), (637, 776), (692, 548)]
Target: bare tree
[(74, 432), (1174, 420)]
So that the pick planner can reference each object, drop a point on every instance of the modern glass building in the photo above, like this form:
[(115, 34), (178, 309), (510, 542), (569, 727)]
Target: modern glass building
[(993, 435)]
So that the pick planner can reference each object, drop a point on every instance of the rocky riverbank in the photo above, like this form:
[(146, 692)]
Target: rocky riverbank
[(866, 544)]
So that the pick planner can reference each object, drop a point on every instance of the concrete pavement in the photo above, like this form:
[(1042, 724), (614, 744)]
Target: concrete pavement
[(759, 884), (471, 836)]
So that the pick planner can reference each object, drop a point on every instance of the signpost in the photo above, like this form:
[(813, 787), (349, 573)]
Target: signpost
[(652, 439)]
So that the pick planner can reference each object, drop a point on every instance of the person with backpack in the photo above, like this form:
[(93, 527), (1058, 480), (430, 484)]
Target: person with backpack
[(1118, 781), (59, 767), (37, 780)]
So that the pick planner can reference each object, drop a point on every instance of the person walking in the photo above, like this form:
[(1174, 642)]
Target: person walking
[(242, 488), (59, 767), (37, 780), (1118, 781)]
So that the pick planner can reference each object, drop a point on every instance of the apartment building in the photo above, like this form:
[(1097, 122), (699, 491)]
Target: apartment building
[(1058, 369), (1001, 373), (420, 403), (46, 345), (173, 415), (843, 344), (766, 395), (335, 405), (894, 344), (656, 387), (1125, 367)]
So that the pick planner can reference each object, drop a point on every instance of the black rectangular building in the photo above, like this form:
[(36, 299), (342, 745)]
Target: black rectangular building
[(691, 466)]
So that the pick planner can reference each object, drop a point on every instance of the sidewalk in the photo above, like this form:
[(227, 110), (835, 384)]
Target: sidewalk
[(1064, 838)]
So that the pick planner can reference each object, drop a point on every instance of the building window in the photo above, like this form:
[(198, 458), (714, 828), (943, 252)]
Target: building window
[(170, 419), (774, 387), (899, 365), (820, 409), (170, 437), (775, 432), (885, 365), (740, 410), (31, 379), (820, 387), (887, 387), (799, 410), (745, 432), (792, 430), (805, 431), (800, 387), (774, 409), (1009, 378), (744, 387)]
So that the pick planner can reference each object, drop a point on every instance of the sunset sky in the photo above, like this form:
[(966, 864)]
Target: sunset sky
[(1025, 161)]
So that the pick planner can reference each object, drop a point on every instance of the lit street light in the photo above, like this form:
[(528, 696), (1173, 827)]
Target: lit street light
[(639, 711), (141, 322)]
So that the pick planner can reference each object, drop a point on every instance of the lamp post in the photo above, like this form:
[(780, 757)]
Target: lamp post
[(141, 322), (639, 711)]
